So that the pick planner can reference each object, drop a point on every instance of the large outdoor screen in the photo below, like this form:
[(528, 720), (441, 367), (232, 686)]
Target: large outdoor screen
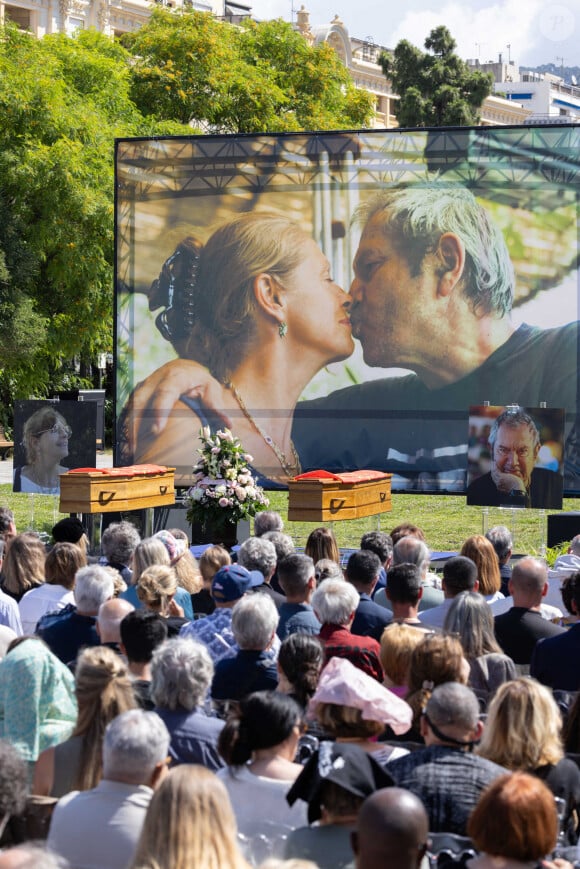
[(339, 300)]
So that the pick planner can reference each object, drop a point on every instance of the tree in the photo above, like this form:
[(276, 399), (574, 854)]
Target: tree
[(62, 102), (436, 88), (260, 77)]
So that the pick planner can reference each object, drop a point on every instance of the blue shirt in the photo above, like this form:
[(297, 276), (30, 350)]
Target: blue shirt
[(215, 632), (370, 619), (194, 737), (249, 671), (297, 618)]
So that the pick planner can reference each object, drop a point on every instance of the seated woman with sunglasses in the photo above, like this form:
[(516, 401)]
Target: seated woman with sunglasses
[(45, 437)]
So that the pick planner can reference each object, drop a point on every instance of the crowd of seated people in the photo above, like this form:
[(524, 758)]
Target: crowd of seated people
[(300, 707)]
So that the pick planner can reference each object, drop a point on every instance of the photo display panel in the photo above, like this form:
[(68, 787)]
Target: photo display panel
[(458, 250)]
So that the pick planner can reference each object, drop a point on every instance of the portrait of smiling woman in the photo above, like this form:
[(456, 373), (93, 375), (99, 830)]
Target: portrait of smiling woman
[(45, 438), (257, 307)]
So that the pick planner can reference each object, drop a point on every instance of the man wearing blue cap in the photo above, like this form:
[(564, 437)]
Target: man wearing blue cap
[(229, 585)]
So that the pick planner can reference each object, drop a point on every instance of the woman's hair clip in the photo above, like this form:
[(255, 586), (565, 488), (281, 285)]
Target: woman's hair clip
[(428, 685), (174, 289)]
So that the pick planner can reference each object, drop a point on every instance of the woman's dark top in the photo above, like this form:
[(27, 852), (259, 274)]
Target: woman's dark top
[(67, 759), (203, 603), (563, 779), (174, 625)]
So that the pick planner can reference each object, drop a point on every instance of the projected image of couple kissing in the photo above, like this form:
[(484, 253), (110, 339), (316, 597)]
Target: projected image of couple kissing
[(265, 316)]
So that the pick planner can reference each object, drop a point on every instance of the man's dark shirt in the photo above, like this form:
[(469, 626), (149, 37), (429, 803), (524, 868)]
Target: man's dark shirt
[(518, 631), (555, 660), (142, 692), (249, 671), (297, 618), (363, 652), (448, 781), (275, 596), (397, 424), (194, 736), (545, 491), (66, 632), (370, 619), (505, 574)]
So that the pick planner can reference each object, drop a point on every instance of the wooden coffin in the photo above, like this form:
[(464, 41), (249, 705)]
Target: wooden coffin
[(338, 496), (107, 490)]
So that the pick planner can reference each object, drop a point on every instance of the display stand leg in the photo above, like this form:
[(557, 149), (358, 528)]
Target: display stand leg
[(92, 524), (513, 511), (484, 520), (148, 519), (543, 532), (31, 505)]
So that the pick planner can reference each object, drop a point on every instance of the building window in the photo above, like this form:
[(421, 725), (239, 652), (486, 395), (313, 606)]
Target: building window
[(74, 24), (21, 17)]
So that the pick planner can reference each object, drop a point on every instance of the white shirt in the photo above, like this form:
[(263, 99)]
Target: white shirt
[(27, 485), (46, 598), (256, 798), (436, 615), (548, 612)]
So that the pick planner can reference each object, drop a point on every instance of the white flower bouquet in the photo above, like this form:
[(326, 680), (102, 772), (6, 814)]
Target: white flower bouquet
[(225, 489)]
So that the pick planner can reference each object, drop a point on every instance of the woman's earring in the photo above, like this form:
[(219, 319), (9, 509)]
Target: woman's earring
[(282, 329)]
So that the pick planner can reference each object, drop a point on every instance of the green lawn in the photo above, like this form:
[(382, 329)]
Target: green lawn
[(446, 520)]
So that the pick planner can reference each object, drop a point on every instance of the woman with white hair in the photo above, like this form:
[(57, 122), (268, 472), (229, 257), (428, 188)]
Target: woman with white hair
[(334, 603), (181, 673), (258, 553), (254, 622)]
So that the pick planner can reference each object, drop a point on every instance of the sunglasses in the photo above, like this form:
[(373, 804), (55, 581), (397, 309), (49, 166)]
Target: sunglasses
[(57, 428)]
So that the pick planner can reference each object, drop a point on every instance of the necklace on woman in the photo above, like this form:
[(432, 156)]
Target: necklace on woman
[(289, 468)]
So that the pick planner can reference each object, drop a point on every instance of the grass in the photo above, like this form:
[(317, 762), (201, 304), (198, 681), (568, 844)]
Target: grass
[(445, 519)]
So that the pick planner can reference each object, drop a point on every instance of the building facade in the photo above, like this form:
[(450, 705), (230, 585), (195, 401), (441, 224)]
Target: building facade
[(359, 56), (546, 97), (113, 17)]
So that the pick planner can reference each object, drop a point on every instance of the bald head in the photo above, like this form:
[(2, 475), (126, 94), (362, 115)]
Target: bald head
[(111, 614), (528, 582), (392, 830), (454, 710)]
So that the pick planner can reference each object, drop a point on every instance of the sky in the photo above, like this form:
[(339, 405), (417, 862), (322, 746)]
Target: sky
[(537, 31)]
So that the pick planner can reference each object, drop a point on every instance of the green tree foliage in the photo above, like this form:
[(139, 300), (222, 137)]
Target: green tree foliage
[(436, 87), (258, 78), (62, 102)]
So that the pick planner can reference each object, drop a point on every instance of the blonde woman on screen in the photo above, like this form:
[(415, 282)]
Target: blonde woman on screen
[(263, 314), (45, 437)]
